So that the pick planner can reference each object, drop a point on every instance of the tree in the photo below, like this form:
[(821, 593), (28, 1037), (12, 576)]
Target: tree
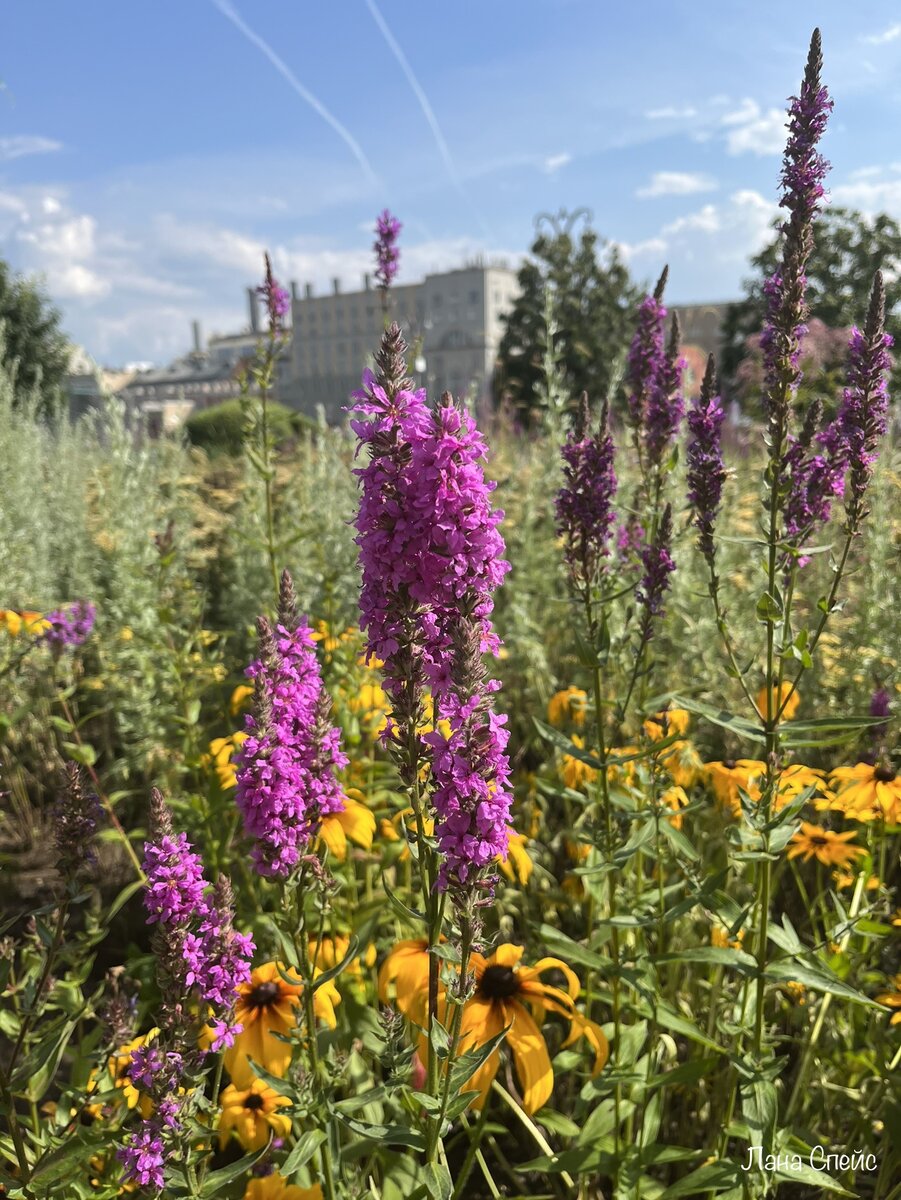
[(848, 250), (32, 346), (593, 301)]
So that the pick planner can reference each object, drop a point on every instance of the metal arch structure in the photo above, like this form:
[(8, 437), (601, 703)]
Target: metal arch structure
[(562, 223)]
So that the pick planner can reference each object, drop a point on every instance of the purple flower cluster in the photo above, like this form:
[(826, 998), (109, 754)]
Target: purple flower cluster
[(387, 252), (207, 954), (70, 627), (646, 353), (144, 1156), (862, 415), (275, 299), (431, 557), (198, 951), (584, 505), (658, 566), (472, 796), (880, 706), (286, 773), (706, 472), (803, 172), (665, 402)]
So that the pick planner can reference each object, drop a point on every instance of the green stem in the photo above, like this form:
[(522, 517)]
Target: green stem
[(434, 1141), (472, 1153)]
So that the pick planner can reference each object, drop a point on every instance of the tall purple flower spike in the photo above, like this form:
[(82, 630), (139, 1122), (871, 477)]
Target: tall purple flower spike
[(706, 472), (584, 505)]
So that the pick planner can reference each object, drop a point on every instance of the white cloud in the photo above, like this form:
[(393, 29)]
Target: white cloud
[(24, 144), (880, 39), (870, 195), (750, 130), (676, 183), (653, 247), (670, 113), (554, 162), (735, 229)]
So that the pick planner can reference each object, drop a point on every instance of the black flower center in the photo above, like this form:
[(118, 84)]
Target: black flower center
[(254, 1102), (497, 983), (884, 774), (263, 994), (730, 764), (817, 839)]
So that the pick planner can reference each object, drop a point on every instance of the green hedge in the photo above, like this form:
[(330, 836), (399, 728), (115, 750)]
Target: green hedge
[(220, 428)]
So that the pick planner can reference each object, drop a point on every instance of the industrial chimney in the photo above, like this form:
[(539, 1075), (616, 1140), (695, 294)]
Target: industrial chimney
[(294, 293), (336, 285), (253, 305), (308, 291), (367, 282), (198, 341)]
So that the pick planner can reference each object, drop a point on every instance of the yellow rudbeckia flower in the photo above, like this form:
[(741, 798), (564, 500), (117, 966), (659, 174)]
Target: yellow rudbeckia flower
[(786, 695), (504, 995), (251, 1113), (568, 705), (276, 1187), (868, 792), (517, 866), (355, 822), (831, 849), (267, 1005)]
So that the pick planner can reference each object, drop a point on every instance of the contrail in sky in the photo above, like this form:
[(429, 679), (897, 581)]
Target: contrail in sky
[(427, 110), (305, 94)]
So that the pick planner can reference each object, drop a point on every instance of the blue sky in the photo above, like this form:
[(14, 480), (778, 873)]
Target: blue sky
[(149, 152)]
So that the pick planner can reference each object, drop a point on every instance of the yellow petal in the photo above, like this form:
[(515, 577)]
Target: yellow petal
[(531, 1059)]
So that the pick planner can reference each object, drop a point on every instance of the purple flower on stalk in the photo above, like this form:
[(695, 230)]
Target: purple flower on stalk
[(658, 566), (175, 882), (387, 252), (665, 402), (803, 172), (70, 627), (462, 561), (286, 773), (646, 353), (584, 504), (391, 533), (75, 820), (144, 1156), (706, 472), (863, 412), (276, 300), (880, 706)]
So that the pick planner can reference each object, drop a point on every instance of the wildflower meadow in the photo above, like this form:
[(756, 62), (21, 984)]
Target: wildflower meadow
[(425, 809)]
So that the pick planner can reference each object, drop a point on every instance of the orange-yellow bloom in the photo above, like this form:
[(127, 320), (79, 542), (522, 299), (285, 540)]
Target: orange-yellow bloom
[(356, 823), (406, 971), (238, 697), (827, 847), (221, 758), (893, 1000), (676, 799), (276, 1187), (786, 694), (568, 705), (267, 1005), (573, 771), (504, 994), (251, 1113), (869, 792), (517, 866)]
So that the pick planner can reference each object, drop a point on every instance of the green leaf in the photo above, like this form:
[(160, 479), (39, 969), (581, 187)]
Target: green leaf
[(391, 1135), (724, 956), (738, 725), (712, 1177), (81, 752), (123, 898), (353, 947), (817, 976), (302, 1151), (467, 1064), (403, 910), (438, 1181), (218, 1179)]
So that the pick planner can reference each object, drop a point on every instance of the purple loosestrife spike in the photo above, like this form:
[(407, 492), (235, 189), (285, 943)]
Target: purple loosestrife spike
[(387, 252), (75, 822), (460, 571), (584, 504), (658, 566), (70, 627), (862, 415), (276, 300), (175, 883), (646, 353), (665, 402), (706, 472), (391, 535), (286, 773), (803, 172), (880, 706)]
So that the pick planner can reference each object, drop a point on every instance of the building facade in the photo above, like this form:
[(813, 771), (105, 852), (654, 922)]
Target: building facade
[(452, 322)]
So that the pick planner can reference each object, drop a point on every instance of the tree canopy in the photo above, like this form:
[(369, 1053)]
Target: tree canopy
[(593, 301), (32, 346), (848, 250)]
